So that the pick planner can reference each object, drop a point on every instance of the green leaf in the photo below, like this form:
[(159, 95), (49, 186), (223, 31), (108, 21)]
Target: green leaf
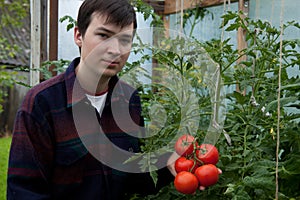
[(133, 158), (272, 106), (232, 27), (240, 98), (296, 85), (154, 176)]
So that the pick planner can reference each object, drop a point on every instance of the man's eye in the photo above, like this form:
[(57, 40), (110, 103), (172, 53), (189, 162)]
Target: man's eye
[(125, 41), (103, 35)]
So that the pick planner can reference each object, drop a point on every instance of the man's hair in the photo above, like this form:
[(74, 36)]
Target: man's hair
[(118, 12)]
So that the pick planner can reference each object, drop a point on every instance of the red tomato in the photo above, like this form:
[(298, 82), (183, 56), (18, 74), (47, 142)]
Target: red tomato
[(186, 182), (207, 175), (208, 154), (184, 164), (184, 145)]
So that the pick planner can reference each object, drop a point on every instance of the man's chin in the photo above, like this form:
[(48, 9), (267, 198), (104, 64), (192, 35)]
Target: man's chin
[(108, 73)]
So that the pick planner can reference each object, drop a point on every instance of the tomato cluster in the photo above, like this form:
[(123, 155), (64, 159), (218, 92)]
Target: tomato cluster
[(196, 166)]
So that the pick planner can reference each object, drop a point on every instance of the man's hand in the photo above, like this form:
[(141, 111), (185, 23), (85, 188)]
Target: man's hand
[(171, 163)]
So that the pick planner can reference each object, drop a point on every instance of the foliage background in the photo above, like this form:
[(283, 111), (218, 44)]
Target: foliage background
[(11, 14), (260, 147)]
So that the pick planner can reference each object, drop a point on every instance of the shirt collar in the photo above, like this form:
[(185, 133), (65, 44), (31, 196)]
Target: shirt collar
[(75, 93)]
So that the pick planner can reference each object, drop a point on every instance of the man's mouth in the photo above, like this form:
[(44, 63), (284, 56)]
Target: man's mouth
[(111, 63)]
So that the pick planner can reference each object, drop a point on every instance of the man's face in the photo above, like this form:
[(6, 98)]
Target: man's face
[(105, 48)]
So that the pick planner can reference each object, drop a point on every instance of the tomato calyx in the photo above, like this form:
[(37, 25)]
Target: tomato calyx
[(207, 153)]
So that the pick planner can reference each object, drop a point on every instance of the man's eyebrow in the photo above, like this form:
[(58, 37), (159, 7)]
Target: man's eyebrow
[(113, 33), (105, 29)]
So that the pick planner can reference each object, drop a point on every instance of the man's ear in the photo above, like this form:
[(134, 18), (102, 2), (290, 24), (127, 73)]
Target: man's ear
[(77, 37)]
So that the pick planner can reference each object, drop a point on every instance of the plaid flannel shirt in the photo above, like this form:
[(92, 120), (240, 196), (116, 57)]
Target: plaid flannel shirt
[(50, 152)]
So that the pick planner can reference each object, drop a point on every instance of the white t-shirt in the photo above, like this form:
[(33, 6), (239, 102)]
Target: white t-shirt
[(98, 101)]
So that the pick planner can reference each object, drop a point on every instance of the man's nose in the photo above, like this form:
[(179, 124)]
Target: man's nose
[(113, 46)]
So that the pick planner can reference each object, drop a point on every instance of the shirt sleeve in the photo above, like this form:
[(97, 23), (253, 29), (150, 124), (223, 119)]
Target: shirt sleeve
[(30, 158)]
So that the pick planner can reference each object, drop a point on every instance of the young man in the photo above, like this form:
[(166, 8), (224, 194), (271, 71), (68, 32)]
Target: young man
[(59, 148)]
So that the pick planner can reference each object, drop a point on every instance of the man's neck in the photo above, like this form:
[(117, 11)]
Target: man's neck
[(91, 83)]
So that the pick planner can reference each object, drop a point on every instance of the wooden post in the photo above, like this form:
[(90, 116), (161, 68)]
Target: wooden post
[(35, 57), (241, 36), (44, 33), (167, 25), (53, 33)]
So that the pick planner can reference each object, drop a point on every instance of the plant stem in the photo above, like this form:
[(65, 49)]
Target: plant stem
[(278, 101), (245, 149)]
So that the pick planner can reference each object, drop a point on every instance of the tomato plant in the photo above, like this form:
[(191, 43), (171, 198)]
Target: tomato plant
[(208, 154), (248, 153), (186, 182)]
